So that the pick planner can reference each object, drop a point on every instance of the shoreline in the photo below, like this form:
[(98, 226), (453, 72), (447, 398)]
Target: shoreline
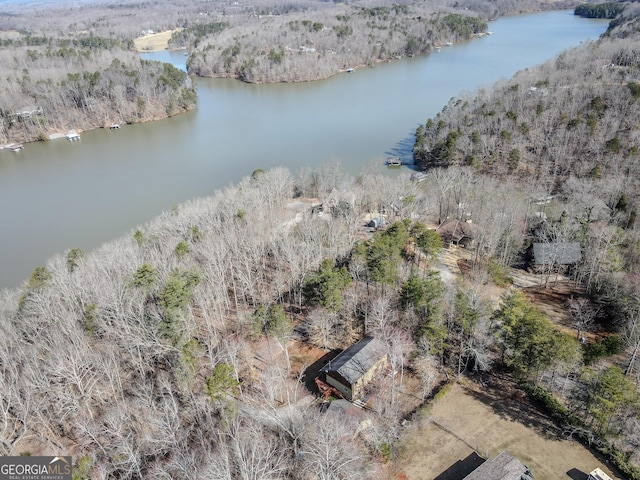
[(117, 144), (158, 42), (57, 135), (353, 69)]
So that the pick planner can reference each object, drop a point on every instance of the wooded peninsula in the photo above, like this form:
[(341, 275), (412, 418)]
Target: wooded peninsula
[(306, 326)]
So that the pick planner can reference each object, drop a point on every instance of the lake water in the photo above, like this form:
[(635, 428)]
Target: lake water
[(59, 195)]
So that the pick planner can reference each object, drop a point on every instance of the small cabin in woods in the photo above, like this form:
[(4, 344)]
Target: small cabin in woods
[(555, 254), (353, 369), (459, 233)]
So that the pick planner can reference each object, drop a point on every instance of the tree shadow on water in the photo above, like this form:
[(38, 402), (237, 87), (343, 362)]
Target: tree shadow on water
[(403, 150)]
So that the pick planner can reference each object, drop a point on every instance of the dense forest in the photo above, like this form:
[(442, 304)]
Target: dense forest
[(98, 88), (302, 43), (175, 351), (70, 66), (567, 130), (54, 85), (314, 45), (600, 10), (181, 350)]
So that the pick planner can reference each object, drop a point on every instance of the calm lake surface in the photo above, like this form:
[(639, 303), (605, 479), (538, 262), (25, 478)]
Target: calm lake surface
[(59, 195)]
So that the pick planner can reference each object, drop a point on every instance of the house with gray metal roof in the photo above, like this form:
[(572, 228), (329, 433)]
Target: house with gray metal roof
[(353, 369), (557, 254)]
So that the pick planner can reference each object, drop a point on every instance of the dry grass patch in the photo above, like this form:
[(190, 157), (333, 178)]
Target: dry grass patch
[(155, 42), (488, 421)]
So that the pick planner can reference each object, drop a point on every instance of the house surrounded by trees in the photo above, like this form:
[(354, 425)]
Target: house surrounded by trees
[(457, 232), (555, 254), (352, 370)]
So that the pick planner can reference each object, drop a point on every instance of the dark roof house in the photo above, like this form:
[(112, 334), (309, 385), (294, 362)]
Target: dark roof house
[(355, 367), (504, 467), (556, 253)]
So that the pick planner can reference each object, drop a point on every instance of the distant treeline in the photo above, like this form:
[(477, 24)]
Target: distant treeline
[(317, 44), (93, 42), (607, 10), (194, 34)]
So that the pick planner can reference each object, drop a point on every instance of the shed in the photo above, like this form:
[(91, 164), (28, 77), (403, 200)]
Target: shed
[(504, 467), (376, 222), (458, 233), (355, 367), (556, 253)]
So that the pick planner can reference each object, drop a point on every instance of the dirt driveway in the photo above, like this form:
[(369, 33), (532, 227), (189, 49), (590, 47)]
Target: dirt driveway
[(487, 421)]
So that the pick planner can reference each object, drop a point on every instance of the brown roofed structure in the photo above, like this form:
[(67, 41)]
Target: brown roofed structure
[(458, 232)]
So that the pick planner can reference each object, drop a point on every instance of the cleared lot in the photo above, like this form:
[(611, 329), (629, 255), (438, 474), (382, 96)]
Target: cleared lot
[(154, 42), (488, 421)]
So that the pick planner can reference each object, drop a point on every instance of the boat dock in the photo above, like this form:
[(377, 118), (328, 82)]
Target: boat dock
[(73, 135), (14, 147), (393, 162)]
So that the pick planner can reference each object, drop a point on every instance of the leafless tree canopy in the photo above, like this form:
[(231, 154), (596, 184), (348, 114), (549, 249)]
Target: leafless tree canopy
[(142, 358)]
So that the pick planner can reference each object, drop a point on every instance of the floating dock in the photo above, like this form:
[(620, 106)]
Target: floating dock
[(14, 147)]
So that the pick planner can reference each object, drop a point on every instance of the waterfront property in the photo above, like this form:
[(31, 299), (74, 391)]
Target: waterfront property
[(394, 162), (14, 147), (28, 112), (419, 177), (292, 127)]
